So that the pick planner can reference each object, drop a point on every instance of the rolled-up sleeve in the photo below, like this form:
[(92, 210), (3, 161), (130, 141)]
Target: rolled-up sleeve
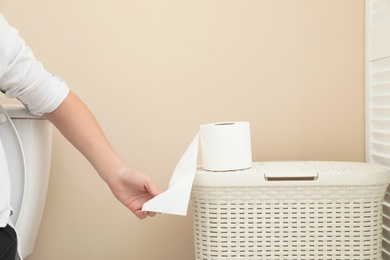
[(24, 78)]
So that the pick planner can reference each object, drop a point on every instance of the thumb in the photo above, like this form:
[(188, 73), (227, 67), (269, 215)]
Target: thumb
[(151, 187)]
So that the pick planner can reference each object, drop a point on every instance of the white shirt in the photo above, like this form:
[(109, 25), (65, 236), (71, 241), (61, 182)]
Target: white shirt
[(24, 78)]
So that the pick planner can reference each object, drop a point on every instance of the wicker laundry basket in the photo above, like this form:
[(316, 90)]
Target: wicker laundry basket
[(386, 226), (291, 210)]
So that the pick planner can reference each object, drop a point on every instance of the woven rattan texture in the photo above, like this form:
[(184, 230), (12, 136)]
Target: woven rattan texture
[(386, 226), (294, 222)]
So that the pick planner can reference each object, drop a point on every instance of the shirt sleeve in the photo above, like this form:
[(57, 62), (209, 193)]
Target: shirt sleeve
[(24, 78)]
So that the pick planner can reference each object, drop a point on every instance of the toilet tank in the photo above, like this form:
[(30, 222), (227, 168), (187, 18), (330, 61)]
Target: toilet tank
[(28, 189)]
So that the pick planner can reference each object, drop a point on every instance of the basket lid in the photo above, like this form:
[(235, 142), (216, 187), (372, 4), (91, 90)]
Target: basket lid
[(293, 173)]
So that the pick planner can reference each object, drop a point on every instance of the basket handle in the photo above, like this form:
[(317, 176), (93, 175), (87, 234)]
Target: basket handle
[(291, 176)]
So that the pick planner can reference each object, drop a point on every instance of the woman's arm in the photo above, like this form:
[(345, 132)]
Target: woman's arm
[(75, 121), (23, 77)]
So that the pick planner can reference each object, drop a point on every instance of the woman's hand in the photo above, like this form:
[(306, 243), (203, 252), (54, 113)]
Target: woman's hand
[(133, 189)]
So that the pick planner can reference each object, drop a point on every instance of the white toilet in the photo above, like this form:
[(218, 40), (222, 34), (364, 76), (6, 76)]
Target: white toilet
[(27, 143)]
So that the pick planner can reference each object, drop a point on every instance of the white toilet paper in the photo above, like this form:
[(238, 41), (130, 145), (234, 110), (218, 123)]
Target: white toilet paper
[(224, 147)]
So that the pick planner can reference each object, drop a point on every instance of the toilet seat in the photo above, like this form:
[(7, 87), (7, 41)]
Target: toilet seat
[(28, 151), (16, 162)]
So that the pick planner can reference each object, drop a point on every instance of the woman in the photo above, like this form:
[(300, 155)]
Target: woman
[(23, 77)]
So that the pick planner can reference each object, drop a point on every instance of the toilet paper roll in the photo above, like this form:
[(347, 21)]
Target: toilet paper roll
[(224, 147)]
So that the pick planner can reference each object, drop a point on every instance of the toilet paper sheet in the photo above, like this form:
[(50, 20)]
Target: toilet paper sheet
[(224, 147)]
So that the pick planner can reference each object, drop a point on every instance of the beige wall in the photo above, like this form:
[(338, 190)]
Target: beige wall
[(153, 71)]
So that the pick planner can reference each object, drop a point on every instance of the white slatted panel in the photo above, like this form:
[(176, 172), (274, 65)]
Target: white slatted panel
[(380, 29), (380, 111), (378, 82)]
